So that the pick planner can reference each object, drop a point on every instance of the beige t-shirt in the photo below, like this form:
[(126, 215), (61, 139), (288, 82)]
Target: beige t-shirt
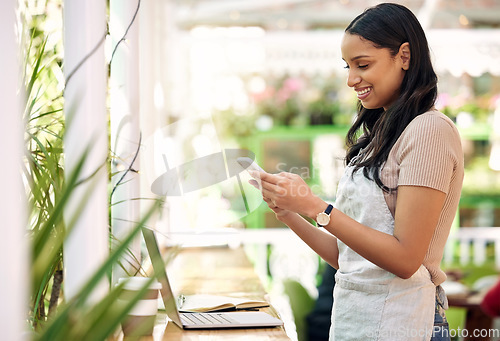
[(428, 153)]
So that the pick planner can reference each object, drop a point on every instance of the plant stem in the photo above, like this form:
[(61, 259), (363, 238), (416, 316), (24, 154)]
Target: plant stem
[(56, 291)]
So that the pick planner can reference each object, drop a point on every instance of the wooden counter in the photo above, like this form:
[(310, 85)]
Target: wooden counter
[(216, 271)]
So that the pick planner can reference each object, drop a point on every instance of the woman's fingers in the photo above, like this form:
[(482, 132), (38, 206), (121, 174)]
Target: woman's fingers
[(267, 177), (272, 192), (283, 192), (267, 188), (271, 203), (283, 189)]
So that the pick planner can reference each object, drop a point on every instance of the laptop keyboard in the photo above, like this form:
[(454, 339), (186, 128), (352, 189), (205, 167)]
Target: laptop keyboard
[(203, 319)]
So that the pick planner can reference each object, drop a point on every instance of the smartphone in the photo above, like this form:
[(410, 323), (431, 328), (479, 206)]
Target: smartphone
[(249, 164)]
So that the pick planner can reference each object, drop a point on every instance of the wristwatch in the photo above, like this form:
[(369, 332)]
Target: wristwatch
[(323, 218)]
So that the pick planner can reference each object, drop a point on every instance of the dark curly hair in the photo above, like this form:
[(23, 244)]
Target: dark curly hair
[(388, 26)]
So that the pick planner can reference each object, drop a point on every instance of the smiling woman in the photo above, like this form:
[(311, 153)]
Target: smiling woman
[(397, 199)]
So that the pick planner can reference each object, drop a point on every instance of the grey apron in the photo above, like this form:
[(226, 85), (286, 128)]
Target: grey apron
[(371, 303)]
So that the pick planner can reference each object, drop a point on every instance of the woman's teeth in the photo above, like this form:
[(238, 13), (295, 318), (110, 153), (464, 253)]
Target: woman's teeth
[(364, 91)]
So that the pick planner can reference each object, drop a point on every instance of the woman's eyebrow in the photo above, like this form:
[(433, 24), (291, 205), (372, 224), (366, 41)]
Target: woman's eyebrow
[(359, 57)]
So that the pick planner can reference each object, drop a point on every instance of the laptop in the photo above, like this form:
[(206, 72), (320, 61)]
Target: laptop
[(240, 319)]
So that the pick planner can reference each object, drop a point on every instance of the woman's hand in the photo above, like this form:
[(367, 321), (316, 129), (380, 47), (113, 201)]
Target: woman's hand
[(280, 213), (288, 191)]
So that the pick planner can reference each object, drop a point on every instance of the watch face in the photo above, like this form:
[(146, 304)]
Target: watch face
[(323, 219)]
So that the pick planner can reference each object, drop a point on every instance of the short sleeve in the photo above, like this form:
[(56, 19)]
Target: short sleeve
[(429, 152)]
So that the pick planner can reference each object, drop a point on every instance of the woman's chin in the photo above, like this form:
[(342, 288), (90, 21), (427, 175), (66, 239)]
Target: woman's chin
[(368, 106)]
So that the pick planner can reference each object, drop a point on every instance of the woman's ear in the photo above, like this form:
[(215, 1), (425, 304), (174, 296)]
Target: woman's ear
[(404, 53)]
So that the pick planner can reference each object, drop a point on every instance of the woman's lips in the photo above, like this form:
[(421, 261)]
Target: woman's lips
[(363, 93)]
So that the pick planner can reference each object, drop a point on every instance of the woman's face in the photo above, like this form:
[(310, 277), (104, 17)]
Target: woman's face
[(374, 74)]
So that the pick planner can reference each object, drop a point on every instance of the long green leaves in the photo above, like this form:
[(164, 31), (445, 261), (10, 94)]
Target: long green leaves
[(49, 189), (46, 187), (76, 320)]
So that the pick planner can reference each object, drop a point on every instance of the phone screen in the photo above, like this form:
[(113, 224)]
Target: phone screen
[(249, 164)]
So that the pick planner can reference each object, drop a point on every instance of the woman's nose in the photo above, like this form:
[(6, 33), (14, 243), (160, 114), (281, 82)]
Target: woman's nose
[(353, 78)]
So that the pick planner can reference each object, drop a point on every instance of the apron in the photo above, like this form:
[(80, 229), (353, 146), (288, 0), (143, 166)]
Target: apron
[(371, 303)]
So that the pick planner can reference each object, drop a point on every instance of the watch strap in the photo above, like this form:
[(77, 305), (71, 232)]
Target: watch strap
[(329, 209)]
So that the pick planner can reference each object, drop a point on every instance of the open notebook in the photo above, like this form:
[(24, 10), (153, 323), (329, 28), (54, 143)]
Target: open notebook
[(195, 320), (209, 303)]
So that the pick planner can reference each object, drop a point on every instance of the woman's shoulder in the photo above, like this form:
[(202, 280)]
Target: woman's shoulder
[(430, 130), (432, 118), (430, 123), (430, 140)]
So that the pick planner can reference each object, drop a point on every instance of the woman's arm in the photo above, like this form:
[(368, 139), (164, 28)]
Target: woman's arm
[(417, 214)]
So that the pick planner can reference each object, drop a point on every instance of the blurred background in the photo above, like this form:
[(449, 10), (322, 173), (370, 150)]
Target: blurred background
[(267, 76), (271, 78)]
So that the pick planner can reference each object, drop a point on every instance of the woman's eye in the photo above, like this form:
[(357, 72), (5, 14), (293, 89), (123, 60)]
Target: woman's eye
[(363, 66), (346, 67)]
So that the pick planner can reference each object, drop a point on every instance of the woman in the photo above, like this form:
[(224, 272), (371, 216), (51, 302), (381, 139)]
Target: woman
[(398, 197)]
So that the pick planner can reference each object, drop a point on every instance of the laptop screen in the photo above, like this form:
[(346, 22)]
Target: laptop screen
[(161, 275)]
